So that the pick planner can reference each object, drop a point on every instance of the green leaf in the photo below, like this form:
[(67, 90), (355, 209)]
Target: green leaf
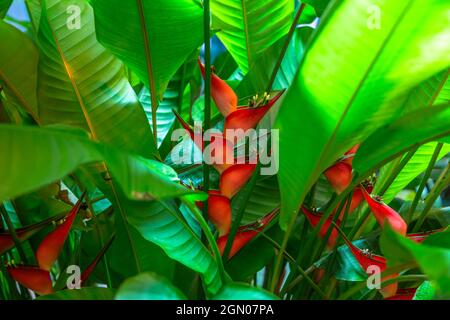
[(56, 153), (18, 67), (238, 291), (81, 294), (415, 128), (413, 168), (318, 5), (352, 81), (4, 7), (83, 85), (148, 286), (164, 33), (425, 291), (247, 28), (399, 250), (164, 225)]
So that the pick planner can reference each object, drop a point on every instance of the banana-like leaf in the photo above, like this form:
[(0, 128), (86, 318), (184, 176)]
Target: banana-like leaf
[(353, 79), (148, 286), (83, 85), (415, 128), (248, 27), (413, 168), (4, 7), (56, 153), (153, 38), (90, 293), (18, 67), (164, 226)]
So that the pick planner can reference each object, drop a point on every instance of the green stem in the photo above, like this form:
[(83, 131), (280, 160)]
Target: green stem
[(423, 183), (13, 233), (441, 184), (207, 110), (285, 47)]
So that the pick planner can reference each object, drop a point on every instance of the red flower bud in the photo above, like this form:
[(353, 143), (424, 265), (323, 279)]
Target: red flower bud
[(385, 214), (246, 117), (245, 234), (350, 154), (224, 97), (314, 220), (50, 248), (32, 278), (234, 178), (339, 176), (219, 211)]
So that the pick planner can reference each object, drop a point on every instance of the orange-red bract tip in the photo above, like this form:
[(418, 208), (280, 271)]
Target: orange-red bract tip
[(314, 220), (32, 278), (50, 248), (225, 98), (234, 178), (385, 214), (245, 234), (246, 118), (219, 211), (339, 176)]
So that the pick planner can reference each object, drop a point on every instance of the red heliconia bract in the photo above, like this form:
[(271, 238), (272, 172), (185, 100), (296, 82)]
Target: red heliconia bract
[(244, 235), (33, 278), (350, 154), (234, 178), (403, 294), (219, 211), (339, 176), (357, 198), (314, 220), (385, 214), (222, 94), (245, 118), (366, 260), (51, 246)]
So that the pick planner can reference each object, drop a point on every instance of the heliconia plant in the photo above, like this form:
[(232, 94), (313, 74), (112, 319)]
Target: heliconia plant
[(224, 149)]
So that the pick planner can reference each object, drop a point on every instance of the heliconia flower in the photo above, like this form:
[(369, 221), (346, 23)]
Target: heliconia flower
[(385, 214), (51, 246), (219, 211), (234, 178), (222, 94), (248, 117), (403, 294), (223, 148), (314, 220), (367, 260), (33, 278), (357, 198), (350, 154), (339, 176), (245, 234), (421, 236), (7, 241)]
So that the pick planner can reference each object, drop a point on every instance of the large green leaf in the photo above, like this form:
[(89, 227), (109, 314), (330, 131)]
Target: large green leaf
[(148, 286), (164, 225), (4, 7), (81, 84), (353, 80), (249, 27), (415, 128), (56, 153), (238, 291), (436, 248), (153, 38), (18, 67)]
